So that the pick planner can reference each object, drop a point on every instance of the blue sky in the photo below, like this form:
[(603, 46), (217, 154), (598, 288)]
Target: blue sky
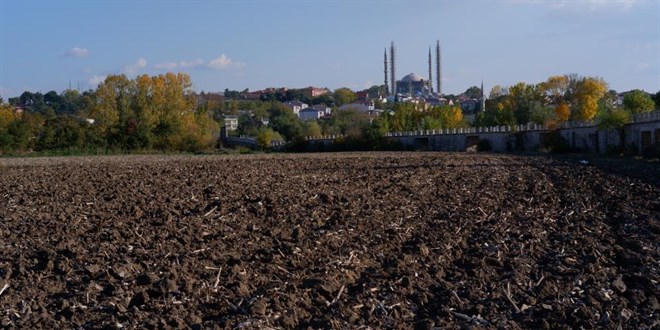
[(331, 43)]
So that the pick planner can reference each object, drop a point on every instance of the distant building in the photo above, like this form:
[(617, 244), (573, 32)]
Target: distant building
[(322, 107), (364, 107), (312, 92), (413, 84), (436, 101), (311, 114), (231, 122), (296, 106), (362, 96), (206, 97)]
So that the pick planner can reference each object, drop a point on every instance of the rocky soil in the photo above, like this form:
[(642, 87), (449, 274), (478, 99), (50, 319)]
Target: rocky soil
[(379, 240)]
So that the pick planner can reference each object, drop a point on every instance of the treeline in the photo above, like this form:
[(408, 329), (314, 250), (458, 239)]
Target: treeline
[(559, 99), (144, 113), (163, 113)]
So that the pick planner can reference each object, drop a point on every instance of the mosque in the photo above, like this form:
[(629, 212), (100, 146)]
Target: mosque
[(413, 84)]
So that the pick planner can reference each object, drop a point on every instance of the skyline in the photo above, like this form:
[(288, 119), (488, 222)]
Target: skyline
[(257, 44)]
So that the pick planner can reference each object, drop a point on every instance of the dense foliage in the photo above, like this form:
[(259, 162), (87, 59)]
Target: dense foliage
[(163, 113)]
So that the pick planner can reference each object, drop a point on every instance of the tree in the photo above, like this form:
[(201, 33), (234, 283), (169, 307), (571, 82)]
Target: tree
[(637, 101), (311, 128), (562, 112), (113, 101), (473, 92), (555, 89), (7, 117), (344, 96), (265, 138), (451, 116), (284, 121), (497, 91), (588, 92), (519, 100), (69, 102), (541, 114)]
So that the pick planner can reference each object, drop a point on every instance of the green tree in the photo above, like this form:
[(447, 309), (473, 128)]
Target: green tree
[(285, 122), (473, 92), (265, 138), (542, 114), (311, 128), (520, 98), (26, 130), (637, 101), (498, 91), (344, 96)]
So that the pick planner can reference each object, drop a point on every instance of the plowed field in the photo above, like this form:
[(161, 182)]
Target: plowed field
[(382, 240)]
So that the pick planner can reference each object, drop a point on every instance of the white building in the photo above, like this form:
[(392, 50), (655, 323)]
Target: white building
[(231, 122), (296, 106), (311, 114)]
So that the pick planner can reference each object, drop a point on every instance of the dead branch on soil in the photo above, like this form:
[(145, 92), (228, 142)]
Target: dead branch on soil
[(341, 290), (217, 279), (209, 212), (472, 319), (4, 288), (507, 293)]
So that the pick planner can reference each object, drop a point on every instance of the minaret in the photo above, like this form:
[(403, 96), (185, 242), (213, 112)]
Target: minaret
[(483, 98), (438, 73), (430, 82), (393, 67), (387, 85)]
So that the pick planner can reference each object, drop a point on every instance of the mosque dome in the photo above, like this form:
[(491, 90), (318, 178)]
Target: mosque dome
[(412, 78)]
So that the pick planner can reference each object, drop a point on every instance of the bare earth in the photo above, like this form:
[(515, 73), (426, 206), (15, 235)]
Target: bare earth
[(384, 240)]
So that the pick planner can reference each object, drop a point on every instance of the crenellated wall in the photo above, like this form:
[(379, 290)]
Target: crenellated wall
[(643, 132)]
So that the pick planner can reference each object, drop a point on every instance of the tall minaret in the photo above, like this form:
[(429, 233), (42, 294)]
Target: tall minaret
[(438, 73), (393, 67), (430, 82), (387, 85), (483, 98)]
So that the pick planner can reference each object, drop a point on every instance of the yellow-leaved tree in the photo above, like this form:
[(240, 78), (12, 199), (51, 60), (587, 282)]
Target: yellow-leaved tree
[(113, 100), (555, 89), (588, 92), (562, 112)]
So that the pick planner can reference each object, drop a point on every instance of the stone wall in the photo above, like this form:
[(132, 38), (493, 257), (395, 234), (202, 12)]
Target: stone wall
[(642, 133)]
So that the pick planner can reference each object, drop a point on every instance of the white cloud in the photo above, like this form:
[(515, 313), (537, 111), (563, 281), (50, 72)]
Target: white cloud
[(223, 62), (165, 66), (194, 63), (133, 68), (76, 52), (96, 80)]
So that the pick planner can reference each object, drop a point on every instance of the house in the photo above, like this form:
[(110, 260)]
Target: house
[(322, 107), (296, 106), (364, 107), (358, 106), (311, 114), (313, 92), (231, 122)]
